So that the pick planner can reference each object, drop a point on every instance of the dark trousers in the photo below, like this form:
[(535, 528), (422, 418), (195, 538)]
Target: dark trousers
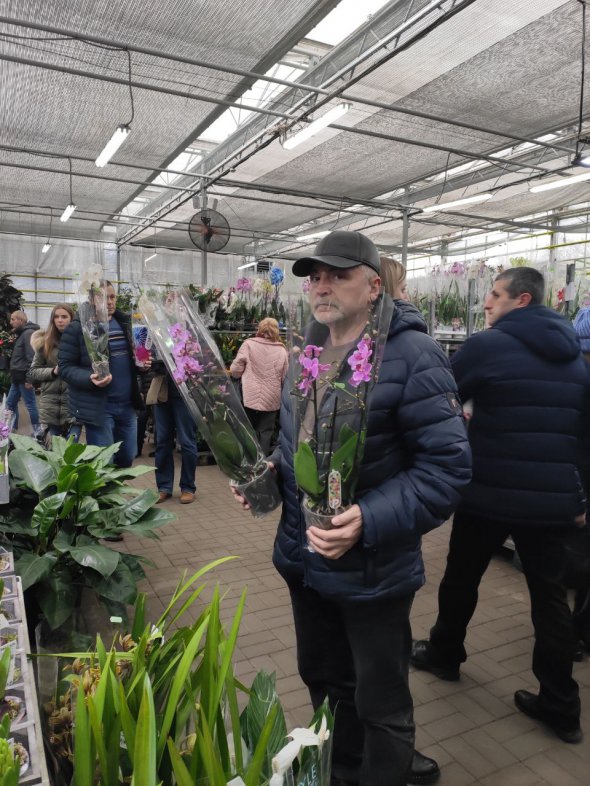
[(263, 424), (173, 419), (357, 655), (473, 543)]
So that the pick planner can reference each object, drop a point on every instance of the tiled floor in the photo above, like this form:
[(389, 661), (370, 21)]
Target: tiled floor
[(471, 727)]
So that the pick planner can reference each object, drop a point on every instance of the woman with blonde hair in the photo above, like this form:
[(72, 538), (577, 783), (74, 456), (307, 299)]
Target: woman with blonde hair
[(53, 402), (261, 364), (393, 278)]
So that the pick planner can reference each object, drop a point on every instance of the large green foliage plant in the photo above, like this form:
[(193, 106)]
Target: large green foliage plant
[(69, 498)]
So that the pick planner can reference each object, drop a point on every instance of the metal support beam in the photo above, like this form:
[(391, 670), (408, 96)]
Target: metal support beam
[(405, 235)]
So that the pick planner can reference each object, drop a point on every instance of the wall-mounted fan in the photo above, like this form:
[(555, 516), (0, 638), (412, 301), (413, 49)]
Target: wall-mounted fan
[(209, 230)]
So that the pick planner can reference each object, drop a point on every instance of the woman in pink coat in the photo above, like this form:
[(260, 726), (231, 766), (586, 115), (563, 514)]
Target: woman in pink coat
[(261, 363)]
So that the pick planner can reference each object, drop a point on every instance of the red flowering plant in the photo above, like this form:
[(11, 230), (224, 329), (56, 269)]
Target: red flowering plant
[(330, 406), (194, 362)]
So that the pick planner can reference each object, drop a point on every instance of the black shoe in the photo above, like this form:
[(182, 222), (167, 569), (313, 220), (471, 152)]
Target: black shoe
[(423, 770), (421, 659), (528, 703), (114, 538)]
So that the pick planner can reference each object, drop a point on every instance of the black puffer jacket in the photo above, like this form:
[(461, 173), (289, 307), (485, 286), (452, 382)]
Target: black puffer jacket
[(527, 379), (22, 353), (416, 458), (53, 403), (87, 402)]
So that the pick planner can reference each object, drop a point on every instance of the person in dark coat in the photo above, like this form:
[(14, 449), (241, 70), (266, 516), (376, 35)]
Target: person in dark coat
[(54, 409), (107, 406), (20, 362), (352, 595), (527, 380)]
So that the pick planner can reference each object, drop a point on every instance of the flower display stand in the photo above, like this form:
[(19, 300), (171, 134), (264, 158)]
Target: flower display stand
[(21, 690)]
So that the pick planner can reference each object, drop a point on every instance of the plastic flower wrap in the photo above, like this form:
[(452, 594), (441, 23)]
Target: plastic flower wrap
[(142, 340), (6, 422), (196, 366), (91, 292), (330, 405)]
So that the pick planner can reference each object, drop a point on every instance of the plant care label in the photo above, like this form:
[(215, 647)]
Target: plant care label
[(334, 489)]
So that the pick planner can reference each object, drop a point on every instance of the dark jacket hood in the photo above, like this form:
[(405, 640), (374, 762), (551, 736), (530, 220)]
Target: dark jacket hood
[(406, 317), (542, 331)]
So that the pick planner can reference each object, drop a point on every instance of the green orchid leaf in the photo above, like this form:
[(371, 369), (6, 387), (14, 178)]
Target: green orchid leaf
[(224, 444), (306, 470), (32, 471), (100, 558), (144, 756), (343, 458), (33, 568), (84, 756)]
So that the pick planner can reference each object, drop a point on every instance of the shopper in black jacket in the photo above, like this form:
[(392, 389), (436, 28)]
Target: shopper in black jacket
[(527, 380), (107, 407), (352, 595), (20, 362)]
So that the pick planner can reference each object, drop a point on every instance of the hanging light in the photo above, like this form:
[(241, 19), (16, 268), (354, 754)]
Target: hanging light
[(153, 256), (46, 248), (113, 145), (561, 183), (67, 212), (457, 203), (317, 125)]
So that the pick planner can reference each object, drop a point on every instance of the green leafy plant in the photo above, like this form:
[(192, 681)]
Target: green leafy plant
[(5, 659), (163, 708), (11, 299), (9, 764), (71, 496)]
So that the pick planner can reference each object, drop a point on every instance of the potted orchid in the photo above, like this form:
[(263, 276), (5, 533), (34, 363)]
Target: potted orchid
[(90, 290), (330, 412), (196, 366)]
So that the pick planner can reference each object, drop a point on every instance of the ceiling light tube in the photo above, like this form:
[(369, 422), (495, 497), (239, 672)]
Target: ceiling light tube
[(152, 256), (67, 212), (330, 117), (113, 145), (313, 235), (457, 203), (46, 248), (564, 181), (249, 264)]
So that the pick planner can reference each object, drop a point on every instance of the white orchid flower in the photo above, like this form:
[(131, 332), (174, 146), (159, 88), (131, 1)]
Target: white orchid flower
[(300, 738), (236, 782), (324, 732), (90, 278)]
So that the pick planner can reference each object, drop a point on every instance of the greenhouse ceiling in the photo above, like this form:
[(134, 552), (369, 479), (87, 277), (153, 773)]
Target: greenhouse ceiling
[(439, 101)]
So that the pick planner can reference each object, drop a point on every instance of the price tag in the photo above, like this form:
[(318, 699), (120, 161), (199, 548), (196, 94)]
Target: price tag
[(334, 489)]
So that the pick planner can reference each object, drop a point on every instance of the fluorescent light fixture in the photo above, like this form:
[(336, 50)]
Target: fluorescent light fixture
[(113, 145), (247, 265), (46, 248), (330, 117), (67, 212), (314, 235), (564, 181), (147, 259), (457, 203)]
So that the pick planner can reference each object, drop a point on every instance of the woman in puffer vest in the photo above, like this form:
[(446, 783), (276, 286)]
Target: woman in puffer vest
[(53, 402)]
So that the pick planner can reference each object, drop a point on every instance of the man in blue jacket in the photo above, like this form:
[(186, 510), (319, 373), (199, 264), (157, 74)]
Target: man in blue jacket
[(352, 595), (527, 381), (106, 406)]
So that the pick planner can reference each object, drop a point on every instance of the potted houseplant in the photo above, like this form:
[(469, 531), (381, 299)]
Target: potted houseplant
[(67, 499)]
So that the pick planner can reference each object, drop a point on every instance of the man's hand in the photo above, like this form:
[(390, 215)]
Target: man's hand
[(580, 521), (28, 385), (101, 383), (242, 500), (333, 543)]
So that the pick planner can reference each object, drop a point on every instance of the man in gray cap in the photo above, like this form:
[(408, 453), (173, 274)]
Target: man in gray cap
[(352, 594)]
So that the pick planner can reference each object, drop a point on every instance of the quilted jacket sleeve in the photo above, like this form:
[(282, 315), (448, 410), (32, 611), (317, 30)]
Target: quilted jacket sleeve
[(70, 358), (40, 371), (426, 492), (238, 365)]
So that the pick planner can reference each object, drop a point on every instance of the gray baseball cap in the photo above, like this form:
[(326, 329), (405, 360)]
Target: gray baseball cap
[(340, 249)]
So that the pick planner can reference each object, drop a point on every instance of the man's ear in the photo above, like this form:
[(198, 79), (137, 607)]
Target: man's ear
[(375, 289), (524, 300)]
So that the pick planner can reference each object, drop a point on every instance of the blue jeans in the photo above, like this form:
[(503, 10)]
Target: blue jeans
[(120, 425), (28, 395), (173, 418)]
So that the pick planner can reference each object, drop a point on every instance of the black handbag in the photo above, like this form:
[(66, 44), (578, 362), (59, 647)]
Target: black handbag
[(576, 549)]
